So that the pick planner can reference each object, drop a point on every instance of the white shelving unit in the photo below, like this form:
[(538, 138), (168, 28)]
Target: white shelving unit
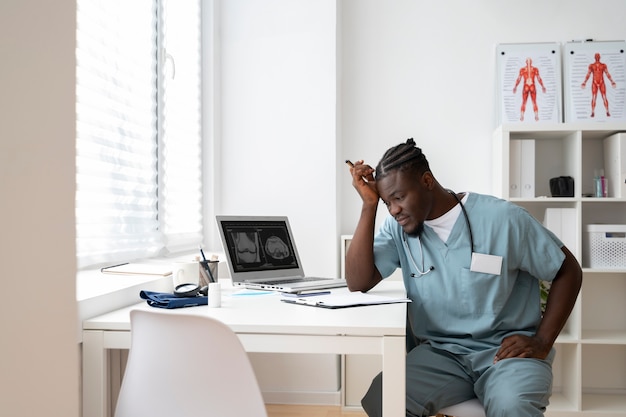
[(590, 366)]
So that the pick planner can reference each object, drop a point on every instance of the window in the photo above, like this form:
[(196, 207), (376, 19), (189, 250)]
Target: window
[(138, 129)]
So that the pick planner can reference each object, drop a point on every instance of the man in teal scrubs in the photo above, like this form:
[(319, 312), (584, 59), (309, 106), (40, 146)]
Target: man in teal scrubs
[(471, 265)]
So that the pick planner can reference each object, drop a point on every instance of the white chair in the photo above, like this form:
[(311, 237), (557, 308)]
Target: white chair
[(469, 408), (186, 365)]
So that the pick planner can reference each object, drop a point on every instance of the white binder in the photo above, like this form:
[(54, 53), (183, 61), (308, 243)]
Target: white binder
[(562, 222), (522, 168), (615, 164)]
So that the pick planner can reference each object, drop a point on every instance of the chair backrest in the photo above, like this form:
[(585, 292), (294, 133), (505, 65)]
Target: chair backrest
[(186, 365)]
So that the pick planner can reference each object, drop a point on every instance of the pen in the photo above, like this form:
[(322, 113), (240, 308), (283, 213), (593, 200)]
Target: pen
[(113, 266), (351, 165), (205, 270), (310, 294), (202, 253)]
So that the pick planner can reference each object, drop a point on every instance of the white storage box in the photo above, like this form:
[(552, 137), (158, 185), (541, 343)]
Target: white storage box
[(606, 245)]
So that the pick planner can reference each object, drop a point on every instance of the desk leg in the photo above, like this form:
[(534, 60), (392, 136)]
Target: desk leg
[(94, 371), (394, 382)]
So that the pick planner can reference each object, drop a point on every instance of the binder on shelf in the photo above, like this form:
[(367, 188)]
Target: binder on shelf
[(615, 164), (562, 222), (522, 168)]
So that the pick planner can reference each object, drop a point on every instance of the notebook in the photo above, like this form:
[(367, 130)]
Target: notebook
[(262, 254)]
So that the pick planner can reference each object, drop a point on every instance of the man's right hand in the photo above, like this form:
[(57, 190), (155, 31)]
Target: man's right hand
[(364, 183), (361, 272)]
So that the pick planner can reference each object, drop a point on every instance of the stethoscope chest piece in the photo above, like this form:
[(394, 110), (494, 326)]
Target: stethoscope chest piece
[(190, 290)]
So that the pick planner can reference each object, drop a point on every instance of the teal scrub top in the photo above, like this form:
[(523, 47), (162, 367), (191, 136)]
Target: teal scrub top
[(462, 311)]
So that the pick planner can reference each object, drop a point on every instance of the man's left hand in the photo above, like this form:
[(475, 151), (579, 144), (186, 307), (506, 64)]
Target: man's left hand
[(521, 346)]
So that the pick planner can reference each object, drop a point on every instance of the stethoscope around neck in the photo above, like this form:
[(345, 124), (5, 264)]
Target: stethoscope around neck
[(424, 271)]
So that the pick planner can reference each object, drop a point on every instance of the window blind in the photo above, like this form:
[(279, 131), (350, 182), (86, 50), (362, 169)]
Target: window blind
[(138, 181)]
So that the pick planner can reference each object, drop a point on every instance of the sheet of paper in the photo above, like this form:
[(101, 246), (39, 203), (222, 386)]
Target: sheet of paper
[(139, 269)]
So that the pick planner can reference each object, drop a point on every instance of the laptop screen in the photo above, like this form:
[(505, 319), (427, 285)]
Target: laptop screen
[(259, 245)]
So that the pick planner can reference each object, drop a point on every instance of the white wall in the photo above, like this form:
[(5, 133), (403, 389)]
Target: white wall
[(408, 68), (300, 93), (38, 353), (427, 70), (291, 114), (278, 115), (277, 138)]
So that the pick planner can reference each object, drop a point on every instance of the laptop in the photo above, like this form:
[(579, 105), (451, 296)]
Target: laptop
[(262, 255)]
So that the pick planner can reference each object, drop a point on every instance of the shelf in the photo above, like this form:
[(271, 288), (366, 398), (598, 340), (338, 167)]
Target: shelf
[(590, 364), (611, 403), (603, 307), (566, 200), (590, 130), (606, 271), (559, 402), (566, 338), (607, 212), (603, 200), (604, 376), (604, 337)]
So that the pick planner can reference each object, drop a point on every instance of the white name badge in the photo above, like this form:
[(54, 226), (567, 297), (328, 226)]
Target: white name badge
[(486, 264)]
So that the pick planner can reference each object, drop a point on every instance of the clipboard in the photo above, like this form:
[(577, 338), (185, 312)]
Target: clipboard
[(344, 300)]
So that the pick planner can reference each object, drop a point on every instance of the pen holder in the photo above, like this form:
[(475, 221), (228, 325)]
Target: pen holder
[(208, 272)]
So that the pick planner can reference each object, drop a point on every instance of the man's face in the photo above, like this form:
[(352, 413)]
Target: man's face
[(407, 197)]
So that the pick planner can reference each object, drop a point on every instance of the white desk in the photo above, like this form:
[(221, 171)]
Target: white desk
[(265, 324)]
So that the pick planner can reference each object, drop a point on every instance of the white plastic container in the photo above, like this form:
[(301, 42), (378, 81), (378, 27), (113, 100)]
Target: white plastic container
[(606, 246)]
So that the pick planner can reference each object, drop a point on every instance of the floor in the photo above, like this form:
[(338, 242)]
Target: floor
[(288, 410)]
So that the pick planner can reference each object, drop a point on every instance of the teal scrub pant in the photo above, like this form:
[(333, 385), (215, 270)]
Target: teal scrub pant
[(436, 378)]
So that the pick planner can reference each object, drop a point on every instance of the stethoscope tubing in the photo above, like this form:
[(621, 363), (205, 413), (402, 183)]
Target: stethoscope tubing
[(424, 271)]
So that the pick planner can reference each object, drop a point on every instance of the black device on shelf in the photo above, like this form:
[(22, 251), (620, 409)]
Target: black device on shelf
[(562, 186)]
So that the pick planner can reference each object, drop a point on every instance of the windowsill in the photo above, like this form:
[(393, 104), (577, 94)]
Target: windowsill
[(98, 293)]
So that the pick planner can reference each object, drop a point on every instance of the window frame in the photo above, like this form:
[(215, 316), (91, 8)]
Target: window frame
[(206, 11)]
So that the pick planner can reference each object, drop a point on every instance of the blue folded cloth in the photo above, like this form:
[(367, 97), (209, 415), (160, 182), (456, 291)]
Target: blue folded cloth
[(168, 300)]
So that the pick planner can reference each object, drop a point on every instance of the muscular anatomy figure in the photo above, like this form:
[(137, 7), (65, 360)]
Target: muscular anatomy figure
[(529, 73), (598, 69)]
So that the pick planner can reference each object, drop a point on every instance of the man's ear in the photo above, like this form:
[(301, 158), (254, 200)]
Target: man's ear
[(427, 180)]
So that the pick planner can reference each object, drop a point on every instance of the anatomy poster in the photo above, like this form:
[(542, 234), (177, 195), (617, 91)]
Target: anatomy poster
[(529, 82), (595, 81)]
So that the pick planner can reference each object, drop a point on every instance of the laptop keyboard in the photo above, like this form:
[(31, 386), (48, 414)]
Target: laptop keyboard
[(292, 280)]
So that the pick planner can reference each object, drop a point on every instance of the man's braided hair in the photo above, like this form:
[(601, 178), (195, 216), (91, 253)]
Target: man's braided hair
[(403, 157)]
